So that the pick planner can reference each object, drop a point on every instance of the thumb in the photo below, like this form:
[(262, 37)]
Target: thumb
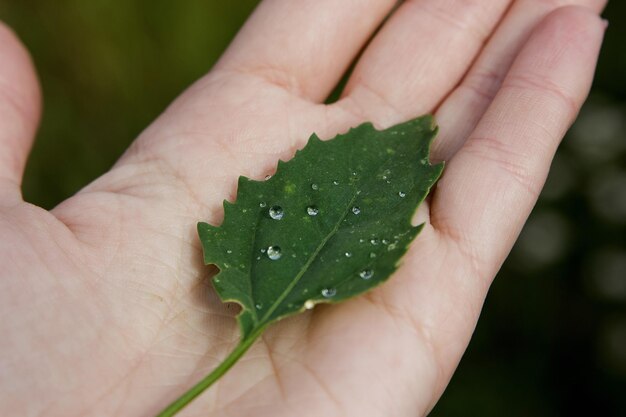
[(20, 102)]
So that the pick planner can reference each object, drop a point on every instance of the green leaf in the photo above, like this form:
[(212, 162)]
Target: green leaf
[(332, 223)]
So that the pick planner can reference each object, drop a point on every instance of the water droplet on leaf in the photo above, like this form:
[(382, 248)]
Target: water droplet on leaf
[(315, 187), (262, 204), (366, 273), (274, 252), (356, 210), (276, 212), (329, 292), (312, 210), (348, 254), (309, 304), (402, 194)]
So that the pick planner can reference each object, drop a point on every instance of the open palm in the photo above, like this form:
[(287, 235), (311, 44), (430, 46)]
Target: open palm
[(105, 306)]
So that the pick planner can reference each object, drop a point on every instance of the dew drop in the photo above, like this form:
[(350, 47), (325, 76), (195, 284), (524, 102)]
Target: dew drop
[(274, 252), (315, 187), (312, 210), (262, 204), (229, 251), (335, 182), (258, 258), (424, 161), (259, 306), (309, 304), (372, 255), (356, 210), (276, 212), (374, 241), (348, 254), (361, 240), (366, 273), (262, 250), (329, 292), (402, 194), (385, 242)]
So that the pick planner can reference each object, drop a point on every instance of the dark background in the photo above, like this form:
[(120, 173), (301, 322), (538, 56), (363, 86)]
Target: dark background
[(552, 337)]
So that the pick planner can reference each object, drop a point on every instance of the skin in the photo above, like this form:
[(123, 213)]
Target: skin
[(105, 306)]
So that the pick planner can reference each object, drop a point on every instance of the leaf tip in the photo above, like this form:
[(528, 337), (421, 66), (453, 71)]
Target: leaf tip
[(431, 121), (314, 138)]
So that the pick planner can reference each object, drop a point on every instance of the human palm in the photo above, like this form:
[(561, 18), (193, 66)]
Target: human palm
[(106, 307)]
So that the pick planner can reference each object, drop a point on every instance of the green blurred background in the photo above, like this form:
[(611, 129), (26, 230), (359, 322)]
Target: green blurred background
[(552, 337)]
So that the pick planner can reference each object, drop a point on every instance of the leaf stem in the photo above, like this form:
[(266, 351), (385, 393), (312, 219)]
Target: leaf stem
[(182, 401)]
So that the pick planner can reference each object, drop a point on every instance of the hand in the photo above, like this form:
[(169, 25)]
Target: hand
[(105, 306)]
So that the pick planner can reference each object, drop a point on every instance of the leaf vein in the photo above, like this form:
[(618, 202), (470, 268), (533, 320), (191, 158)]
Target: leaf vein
[(308, 263)]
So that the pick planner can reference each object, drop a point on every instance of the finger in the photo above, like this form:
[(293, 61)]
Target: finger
[(304, 46), (476, 91), (255, 106), (493, 181), (19, 110), (418, 56)]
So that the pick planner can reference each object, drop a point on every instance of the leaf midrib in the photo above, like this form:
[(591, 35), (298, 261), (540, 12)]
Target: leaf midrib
[(308, 263)]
